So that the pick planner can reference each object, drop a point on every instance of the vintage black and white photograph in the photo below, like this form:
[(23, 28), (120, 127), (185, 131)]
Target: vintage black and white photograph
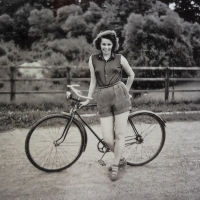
[(99, 100)]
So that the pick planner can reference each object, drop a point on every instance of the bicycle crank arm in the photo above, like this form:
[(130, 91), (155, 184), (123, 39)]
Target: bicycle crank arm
[(101, 162)]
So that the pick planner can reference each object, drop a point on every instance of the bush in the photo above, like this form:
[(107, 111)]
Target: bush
[(12, 53), (76, 50)]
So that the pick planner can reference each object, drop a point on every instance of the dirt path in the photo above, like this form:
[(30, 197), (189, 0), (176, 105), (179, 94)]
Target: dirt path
[(175, 174)]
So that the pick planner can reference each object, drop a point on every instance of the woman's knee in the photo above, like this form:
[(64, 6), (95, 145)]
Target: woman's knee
[(119, 135), (109, 142)]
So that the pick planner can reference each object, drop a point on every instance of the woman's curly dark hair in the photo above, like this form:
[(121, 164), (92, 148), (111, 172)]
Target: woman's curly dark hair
[(110, 35)]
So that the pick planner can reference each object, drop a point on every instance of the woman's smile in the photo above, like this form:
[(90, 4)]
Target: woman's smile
[(106, 46)]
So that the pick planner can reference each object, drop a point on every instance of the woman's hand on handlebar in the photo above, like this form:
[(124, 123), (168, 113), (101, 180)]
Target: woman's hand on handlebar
[(84, 103)]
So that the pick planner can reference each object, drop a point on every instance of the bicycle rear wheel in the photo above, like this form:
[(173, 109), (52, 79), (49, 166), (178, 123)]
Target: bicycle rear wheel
[(42, 150), (144, 139)]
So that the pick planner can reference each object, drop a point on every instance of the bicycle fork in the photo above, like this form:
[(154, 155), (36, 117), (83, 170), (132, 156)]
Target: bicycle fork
[(64, 134)]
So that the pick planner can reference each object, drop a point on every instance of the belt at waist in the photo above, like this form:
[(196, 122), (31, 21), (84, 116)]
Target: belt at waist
[(107, 86)]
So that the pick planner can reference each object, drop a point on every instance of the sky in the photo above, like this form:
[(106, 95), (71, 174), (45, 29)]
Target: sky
[(172, 5)]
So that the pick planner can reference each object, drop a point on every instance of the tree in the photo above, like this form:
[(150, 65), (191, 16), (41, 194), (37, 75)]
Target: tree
[(93, 14), (21, 26), (71, 21), (11, 53), (61, 3), (64, 12), (10, 6), (75, 26), (157, 39), (116, 13), (6, 27), (195, 42), (44, 3), (76, 50), (41, 22), (189, 10)]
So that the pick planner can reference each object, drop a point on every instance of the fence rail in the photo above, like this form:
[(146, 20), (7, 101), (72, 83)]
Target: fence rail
[(68, 80)]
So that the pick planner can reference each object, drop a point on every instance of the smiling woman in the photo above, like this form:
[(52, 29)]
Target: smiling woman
[(109, 35), (106, 46), (113, 98)]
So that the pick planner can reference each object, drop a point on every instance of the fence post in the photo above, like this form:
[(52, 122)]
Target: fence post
[(68, 76), (12, 84), (167, 70), (173, 86)]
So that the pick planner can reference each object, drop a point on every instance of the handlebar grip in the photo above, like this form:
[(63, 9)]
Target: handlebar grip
[(78, 92), (73, 85)]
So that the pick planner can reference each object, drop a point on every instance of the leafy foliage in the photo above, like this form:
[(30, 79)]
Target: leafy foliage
[(74, 49), (158, 40), (74, 26), (61, 32), (40, 22), (11, 54), (64, 12), (6, 27)]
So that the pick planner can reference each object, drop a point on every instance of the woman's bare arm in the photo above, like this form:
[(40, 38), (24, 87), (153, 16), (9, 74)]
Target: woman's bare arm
[(129, 71), (93, 82)]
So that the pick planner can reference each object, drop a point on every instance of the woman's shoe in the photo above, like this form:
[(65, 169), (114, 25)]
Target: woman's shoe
[(114, 173), (122, 163)]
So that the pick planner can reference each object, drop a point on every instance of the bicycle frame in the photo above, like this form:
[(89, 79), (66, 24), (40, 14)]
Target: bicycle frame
[(73, 113), (69, 128), (74, 116), (86, 124)]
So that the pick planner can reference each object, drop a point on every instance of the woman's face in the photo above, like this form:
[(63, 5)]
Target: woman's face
[(106, 46)]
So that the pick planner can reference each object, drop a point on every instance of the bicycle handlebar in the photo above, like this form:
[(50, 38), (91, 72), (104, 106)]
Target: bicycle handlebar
[(77, 92)]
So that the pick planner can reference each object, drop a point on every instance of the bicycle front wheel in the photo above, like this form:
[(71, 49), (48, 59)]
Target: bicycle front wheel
[(42, 149), (144, 139)]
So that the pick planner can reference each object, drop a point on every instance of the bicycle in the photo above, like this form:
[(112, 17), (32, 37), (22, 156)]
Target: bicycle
[(56, 141)]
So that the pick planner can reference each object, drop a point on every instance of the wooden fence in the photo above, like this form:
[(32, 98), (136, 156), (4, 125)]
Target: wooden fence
[(13, 90)]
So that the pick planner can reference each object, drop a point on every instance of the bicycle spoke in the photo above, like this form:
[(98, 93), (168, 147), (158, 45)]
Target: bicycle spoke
[(49, 154), (149, 132), (68, 152), (65, 154), (40, 152), (41, 147), (144, 140)]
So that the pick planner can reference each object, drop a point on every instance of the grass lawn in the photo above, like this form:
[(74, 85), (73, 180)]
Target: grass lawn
[(29, 108), (178, 96)]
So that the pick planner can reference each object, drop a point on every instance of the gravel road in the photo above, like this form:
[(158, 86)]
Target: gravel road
[(173, 175)]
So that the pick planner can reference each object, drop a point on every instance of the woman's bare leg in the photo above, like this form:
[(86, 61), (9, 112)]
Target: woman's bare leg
[(120, 130), (107, 126), (117, 143)]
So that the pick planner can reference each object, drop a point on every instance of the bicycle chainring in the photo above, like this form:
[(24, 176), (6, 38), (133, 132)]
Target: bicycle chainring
[(101, 147)]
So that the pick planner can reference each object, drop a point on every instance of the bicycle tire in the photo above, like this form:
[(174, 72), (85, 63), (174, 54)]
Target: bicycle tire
[(145, 146), (41, 150)]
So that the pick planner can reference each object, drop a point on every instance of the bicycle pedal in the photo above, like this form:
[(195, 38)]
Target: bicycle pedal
[(101, 162)]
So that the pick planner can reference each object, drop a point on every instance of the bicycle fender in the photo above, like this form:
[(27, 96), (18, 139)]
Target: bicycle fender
[(81, 126), (150, 112)]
